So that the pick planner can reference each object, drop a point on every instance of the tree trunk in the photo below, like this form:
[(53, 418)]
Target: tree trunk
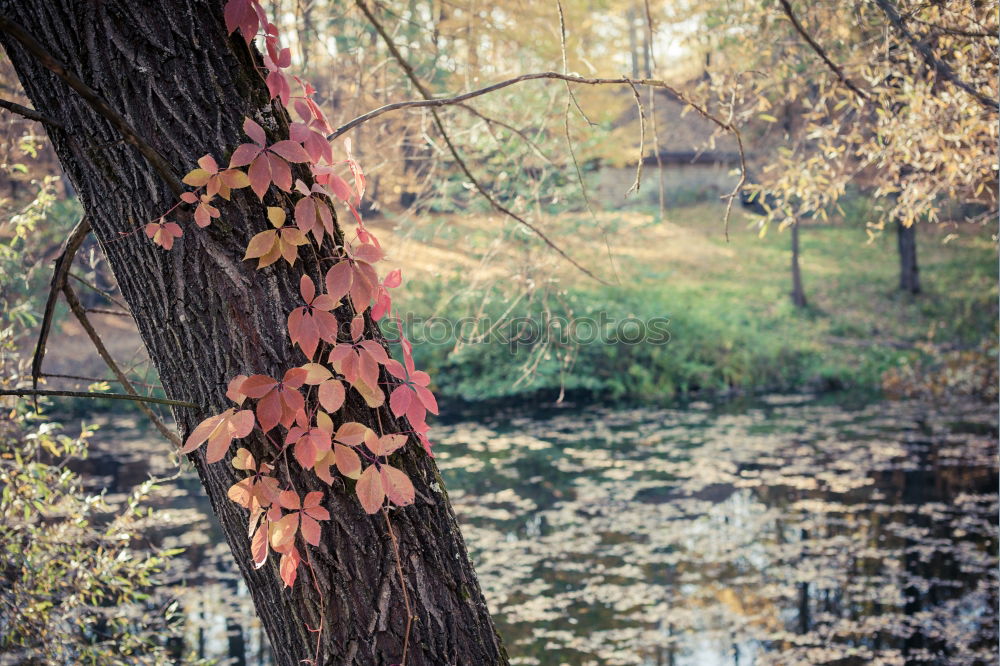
[(909, 273), (798, 293), (205, 316)]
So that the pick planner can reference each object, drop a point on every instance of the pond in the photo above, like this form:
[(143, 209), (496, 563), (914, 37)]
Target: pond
[(787, 531)]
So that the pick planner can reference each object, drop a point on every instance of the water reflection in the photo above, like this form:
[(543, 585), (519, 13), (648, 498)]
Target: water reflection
[(782, 534), (785, 533)]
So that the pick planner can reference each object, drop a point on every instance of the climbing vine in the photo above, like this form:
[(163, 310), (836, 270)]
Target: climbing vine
[(293, 411)]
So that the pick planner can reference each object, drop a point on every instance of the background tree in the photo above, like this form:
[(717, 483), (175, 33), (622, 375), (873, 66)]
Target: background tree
[(897, 98)]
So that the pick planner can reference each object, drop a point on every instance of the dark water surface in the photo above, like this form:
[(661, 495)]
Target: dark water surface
[(785, 532)]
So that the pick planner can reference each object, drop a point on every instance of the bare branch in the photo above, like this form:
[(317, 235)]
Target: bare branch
[(30, 114), (834, 67), (32, 46), (642, 143), (81, 315), (91, 394), (430, 102), (59, 274)]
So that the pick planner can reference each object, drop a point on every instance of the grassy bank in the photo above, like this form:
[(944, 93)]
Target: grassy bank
[(731, 325)]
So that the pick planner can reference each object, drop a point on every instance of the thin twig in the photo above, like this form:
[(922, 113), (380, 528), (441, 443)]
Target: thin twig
[(660, 185), (434, 102), (430, 102), (98, 290), (521, 133), (932, 61), (91, 394), (32, 46), (77, 308), (59, 274), (93, 380), (642, 143), (30, 114), (834, 67)]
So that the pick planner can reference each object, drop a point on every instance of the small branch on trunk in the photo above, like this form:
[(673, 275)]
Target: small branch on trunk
[(30, 114), (40, 53), (91, 394)]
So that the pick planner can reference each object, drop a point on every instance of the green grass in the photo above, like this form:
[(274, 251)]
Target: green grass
[(732, 326)]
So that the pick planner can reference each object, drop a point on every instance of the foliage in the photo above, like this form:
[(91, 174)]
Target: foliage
[(302, 399), (905, 105), (75, 584)]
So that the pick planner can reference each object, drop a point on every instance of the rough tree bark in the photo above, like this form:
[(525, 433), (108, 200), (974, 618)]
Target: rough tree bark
[(909, 272), (205, 316)]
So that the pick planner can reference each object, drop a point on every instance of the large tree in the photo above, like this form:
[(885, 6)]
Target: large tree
[(133, 93)]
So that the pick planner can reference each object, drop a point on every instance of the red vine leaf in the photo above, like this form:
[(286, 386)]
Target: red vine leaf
[(312, 213), (310, 441), (258, 546), (219, 431), (233, 391), (204, 211), (308, 324), (277, 401), (384, 445), (163, 233), (289, 566), (247, 15), (268, 164), (331, 390)]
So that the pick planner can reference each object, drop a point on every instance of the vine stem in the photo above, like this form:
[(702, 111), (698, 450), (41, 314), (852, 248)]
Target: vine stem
[(402, 584)]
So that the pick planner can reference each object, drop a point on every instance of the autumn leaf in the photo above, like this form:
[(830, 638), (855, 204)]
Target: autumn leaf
[(330, 389), (277, 401), (281, 242), (204, 211), (398, 487), (214, 181), (309, 440), (245, 15), (370, 491), (163, 233), (289, 565), (267, 163), (384, 445), (309, 324), (219, 431), (312, 212)]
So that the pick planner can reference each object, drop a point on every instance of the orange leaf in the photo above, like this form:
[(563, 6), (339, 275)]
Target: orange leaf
[(289, 566), (398, 486), (370, 491)]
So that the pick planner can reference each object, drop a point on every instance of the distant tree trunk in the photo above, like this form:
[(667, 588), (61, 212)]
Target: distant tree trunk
[(633, 41), (205, 316), (909, 272), (798, 293)]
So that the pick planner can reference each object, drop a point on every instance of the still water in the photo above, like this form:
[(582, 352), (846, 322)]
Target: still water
[(783, 532)]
